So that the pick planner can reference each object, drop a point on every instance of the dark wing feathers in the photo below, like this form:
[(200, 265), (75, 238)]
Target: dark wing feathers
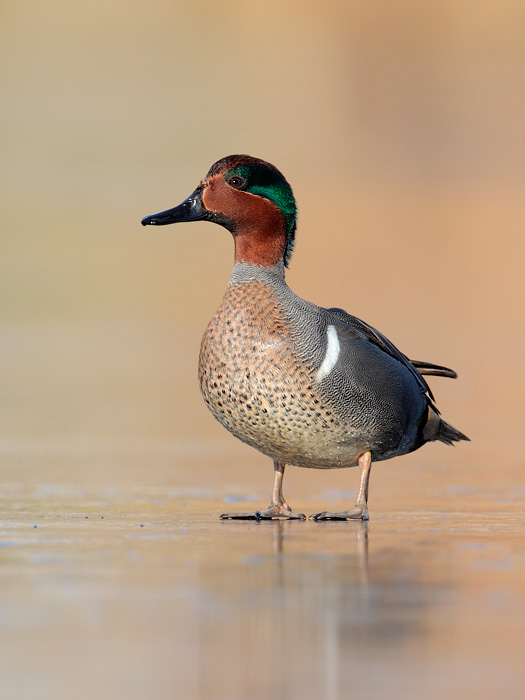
[(416, 367), (435, 370)]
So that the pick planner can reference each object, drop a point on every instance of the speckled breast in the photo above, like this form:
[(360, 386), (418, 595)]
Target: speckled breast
[(259, 389)]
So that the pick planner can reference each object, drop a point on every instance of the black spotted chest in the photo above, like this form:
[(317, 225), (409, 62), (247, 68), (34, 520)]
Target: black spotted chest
[(254, 383)]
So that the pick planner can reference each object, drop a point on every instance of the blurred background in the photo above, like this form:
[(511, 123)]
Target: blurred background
[(400, 126)]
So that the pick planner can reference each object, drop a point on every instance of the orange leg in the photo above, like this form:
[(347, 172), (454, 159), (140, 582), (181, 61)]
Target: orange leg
[(278, 508), (360, 510)]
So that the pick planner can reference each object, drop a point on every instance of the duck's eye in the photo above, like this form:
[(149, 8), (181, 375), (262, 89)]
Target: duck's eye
[(236, 181)]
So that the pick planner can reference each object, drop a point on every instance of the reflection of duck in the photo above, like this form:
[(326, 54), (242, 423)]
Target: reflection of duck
[(360, 570), (306, 386)]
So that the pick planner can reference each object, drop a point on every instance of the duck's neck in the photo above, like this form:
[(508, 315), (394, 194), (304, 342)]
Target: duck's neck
[(247, 272), (260, 248), (264, 242), (259, 233)]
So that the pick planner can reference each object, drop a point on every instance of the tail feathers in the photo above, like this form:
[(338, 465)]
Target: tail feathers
[(448, 434), (435, 370), (438, 429)]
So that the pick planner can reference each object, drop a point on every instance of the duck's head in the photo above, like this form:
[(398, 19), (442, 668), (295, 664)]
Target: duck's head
[(250, 198)]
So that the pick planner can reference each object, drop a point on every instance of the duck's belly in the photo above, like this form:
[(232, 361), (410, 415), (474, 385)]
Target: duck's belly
[(265, 395)]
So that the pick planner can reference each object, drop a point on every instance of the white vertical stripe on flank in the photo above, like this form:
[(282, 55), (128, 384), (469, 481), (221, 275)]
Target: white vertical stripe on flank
[(332, 353)]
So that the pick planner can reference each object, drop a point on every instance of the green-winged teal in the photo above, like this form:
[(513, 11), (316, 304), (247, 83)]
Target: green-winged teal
[(307, 386)]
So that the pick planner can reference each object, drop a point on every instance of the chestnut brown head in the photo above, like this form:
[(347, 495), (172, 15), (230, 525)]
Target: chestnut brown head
[(250, 198)]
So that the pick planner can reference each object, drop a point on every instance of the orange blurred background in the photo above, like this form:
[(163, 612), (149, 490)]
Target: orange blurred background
[(400, 128)]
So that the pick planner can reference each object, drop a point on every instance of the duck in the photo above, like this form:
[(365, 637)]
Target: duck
[(307, 386)]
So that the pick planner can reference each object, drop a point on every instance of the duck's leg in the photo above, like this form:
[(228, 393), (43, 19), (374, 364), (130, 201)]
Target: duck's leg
[(360, 510), (278, 508)]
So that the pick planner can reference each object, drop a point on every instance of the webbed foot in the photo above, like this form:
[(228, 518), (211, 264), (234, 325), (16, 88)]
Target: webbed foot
[(355, 513), (278, 508), (272, 513)]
